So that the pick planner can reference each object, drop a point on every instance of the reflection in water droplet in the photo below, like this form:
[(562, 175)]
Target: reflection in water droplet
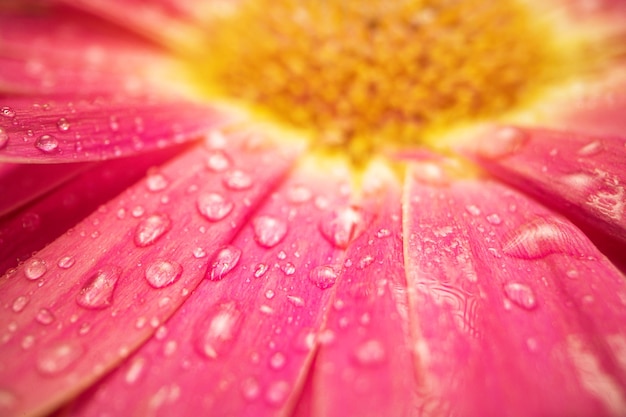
[(342, 226), (162, 273), (214, 206), (47, 144), (323, 276), (237, 180), (217, 330), (34, 268), (370, 353), (66, 262), (58, 358), (269, 231), (19, 303), (63, 125), (97, 292), (44, 316), (225, 260), (540, 238), (150, 229), (520, 294)]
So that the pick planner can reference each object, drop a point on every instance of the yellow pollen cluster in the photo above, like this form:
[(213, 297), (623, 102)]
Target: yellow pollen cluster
[(370, 76)]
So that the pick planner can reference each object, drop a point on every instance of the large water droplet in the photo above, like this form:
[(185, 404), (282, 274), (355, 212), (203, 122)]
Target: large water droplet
[(323, 276), (260, 270), (162, 273), (218, 161), (47, 144), (342, 227), (97, 292), (540, 238), (269, 231), (520, 294), (237, 180), (63, 125), (225, 260), (19, 303), (58, 358), (216, 331), (34, 268), (214, 206), (370, 353), (150, 229)]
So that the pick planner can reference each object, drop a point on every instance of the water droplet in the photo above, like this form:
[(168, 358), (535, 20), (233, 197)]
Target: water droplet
[(508, 140), (19, 303), (135, 370), (199, 253), (540, 238), (63, 125), (250, 389), (277, 361), (342, 226), (260, 270), (298, 194), (44, 316), (7, 111), (370, 353), (383, 233), (66, 262), (289, 269), (237, 180), (520, 294), (35, 268), (323, 276), (156, 181), (58, 358), (97, 292), (269, 231), (214, 206), (150, 229), (218, 161), (28, 342), (494, 219), (137, 211), (473, 210), (4, 138), (269, 294), (47, 144), (225, 260), (592, 148), (295, 300), (162, 273), (217, 331), (277, 393), (366, 261)]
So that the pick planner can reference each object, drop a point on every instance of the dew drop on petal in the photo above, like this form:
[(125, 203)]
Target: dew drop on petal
[(494, 219), (47, 144), (538, 239), (277, 393), (214, 206), (66, 262), (370, 353), (58, 358), (298, 194), (473, 210), (225, 260), (323, 276), (156, 181), (150, 229), (260, 270), (590, 149), (63, 125), (277, 361), (342, 226), (4, 138), (269, 231), (19, 303), (7, 111), (218, 161), (237, 180), (135, 370), (44, 316), (250, 389), (520, 294), (506, 141), (162, 273), (97, 292), (34, 268), (218, 330), (295, 300)]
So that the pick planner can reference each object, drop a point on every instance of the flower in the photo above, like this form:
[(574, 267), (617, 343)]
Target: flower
[(328, 248)]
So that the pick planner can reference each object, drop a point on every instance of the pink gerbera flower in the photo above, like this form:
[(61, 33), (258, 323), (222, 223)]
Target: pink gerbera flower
[(312, 208)]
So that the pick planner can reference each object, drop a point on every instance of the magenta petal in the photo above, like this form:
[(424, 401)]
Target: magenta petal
[(53, 130), (584, 176), (61, 51), (83, 303), (365, 368), (242, 344), (30, 229), (20, 184), (514, 307)]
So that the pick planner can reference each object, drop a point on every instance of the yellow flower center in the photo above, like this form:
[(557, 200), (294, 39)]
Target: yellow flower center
[(369, 77)]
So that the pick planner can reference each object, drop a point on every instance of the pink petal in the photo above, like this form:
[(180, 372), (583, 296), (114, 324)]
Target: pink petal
[(24, 232), (242, 343), (514, 307), (85, 302), (365, 367), (54, 130), (20, 184), (585, 176), (61, 50)]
